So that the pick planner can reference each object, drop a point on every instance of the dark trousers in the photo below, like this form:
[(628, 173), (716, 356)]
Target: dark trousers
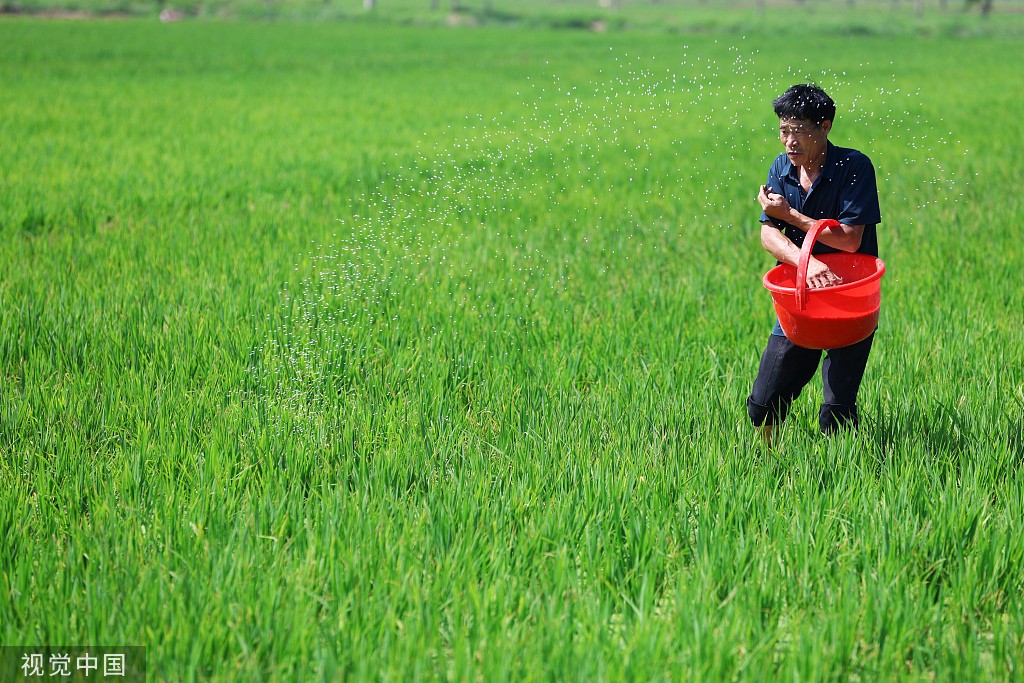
[(787, 368)]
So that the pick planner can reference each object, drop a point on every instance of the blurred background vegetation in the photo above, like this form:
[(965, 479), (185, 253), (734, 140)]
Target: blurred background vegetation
[(925, 17)]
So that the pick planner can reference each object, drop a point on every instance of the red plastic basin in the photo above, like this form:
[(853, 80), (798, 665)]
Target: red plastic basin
[(829, 317)]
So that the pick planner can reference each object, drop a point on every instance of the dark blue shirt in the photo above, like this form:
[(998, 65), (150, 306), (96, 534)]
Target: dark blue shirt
[(845, 191)]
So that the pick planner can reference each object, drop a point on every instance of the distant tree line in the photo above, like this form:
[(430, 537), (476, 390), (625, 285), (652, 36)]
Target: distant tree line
[(456, 5), (986, 5)]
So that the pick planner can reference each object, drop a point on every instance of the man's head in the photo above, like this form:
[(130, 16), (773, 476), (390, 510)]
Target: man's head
[(805, 103), (805, 118)]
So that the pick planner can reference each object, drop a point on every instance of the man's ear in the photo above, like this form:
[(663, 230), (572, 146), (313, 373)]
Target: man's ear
[(826, 126)]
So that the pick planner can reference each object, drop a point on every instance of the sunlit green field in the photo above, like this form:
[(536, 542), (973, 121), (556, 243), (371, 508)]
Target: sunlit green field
[(368, 352)]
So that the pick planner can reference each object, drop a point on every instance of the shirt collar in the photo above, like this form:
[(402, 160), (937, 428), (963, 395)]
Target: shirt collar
[(827, 171)]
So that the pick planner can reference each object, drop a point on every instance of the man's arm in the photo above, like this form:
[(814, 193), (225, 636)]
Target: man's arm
[(778, 245), (845, 238)]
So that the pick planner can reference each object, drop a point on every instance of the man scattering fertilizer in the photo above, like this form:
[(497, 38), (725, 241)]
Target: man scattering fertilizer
[(813, 180)]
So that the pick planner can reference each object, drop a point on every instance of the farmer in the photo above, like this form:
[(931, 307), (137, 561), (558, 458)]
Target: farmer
[(813, 179)]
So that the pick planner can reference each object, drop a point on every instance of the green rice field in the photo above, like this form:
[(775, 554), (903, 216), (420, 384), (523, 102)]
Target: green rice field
[(368, 350)]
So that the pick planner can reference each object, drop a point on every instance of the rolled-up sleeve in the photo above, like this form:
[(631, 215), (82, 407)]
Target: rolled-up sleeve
[(774, 181), (858, 197)]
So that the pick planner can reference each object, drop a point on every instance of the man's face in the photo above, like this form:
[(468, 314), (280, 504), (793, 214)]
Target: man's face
[(805, 141)]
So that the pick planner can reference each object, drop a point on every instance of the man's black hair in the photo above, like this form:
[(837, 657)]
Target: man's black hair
[(805, 102)]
